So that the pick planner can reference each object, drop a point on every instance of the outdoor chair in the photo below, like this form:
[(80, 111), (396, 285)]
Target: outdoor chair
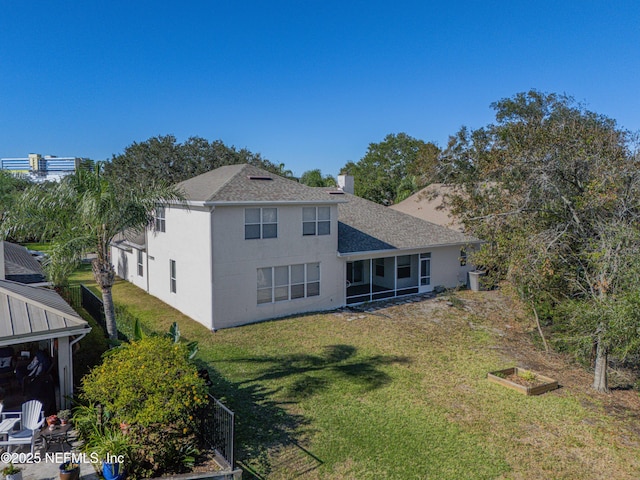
[(8, 421), (31, 419)]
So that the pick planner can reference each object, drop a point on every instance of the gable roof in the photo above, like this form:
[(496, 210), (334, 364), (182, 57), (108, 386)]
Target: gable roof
[(428, 204), (365, 226), (245, 183), (30, 314), (19, 265)]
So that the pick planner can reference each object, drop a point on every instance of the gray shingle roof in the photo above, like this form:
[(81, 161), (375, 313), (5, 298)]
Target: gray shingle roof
[(130, 238), (20, 266), (29, 312), (367, 226), (233, 183), (363, 226)]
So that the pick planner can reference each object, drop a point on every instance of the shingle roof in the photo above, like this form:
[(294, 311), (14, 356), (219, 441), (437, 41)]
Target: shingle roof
[(20, 266), (363, 226), (367, 226), (130, 238), (33, 312), (234, 183)]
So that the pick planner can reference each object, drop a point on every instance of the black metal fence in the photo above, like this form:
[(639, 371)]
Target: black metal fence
[(94, 306), (80, 296), (218, 430)]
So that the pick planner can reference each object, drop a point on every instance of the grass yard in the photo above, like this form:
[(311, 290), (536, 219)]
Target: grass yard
[(400, 392)]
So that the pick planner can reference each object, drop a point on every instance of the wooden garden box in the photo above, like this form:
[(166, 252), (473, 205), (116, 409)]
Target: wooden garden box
[(541, 385)]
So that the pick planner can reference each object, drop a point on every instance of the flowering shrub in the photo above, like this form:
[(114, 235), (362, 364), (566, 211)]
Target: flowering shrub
[(152, 387)]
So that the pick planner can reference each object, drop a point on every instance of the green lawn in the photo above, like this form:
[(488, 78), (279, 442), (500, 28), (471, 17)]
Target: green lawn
[(397, 393)]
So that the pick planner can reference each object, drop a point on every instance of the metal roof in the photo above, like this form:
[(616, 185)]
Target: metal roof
[(30, 314)]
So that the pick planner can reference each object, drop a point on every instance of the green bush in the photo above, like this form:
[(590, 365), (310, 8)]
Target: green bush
[(152, 387)]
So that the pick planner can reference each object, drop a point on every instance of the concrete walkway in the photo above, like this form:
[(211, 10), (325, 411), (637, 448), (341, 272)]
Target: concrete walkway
[(46, 465)]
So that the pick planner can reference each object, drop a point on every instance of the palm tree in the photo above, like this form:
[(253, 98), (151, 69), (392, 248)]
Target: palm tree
[(83, 213)]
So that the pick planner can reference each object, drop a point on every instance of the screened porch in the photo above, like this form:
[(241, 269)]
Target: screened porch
[(386, 277)]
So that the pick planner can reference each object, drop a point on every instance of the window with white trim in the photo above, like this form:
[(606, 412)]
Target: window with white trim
[(172, 276), (316, 220), (288, 282), (260, 223), (140, 263), (160, 222)]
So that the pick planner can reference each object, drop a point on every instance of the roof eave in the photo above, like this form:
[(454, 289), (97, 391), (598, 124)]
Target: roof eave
[(242, 203), (40, 336), (406, 249)]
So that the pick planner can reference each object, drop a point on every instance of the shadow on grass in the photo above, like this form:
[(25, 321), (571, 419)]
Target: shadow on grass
[(268, 437), (313, 372), (262, 425)]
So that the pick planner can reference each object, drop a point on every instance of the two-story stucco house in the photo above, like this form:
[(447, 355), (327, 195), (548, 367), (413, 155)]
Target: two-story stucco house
[(251, 245)]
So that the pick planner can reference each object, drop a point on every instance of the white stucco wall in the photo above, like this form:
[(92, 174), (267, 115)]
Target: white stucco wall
[(446, 269), (186, 240), (126, 265), (237, 260)]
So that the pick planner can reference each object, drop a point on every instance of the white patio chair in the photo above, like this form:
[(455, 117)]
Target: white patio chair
[(31, 420), (7, 422)]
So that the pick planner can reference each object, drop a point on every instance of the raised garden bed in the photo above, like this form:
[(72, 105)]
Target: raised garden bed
[(523, 381)]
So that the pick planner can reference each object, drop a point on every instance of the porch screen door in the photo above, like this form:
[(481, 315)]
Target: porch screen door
[(425, 272)]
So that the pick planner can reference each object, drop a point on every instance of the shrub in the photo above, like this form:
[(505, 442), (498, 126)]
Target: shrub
[(152, 387)]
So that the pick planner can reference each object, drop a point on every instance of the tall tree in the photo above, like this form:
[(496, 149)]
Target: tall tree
[(163, 158), (11, 187), (83, 213), (394, 168), (555, 190), (314, 178)]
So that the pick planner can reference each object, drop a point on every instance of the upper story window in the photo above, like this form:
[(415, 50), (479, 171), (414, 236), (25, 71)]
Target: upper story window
[(316, 220), (260, 223), (159, 219)]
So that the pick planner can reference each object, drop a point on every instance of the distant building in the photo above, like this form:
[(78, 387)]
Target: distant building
[(40, 168)]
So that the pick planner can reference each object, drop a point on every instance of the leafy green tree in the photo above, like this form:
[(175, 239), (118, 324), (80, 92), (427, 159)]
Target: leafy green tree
[(314, 178), (163, 158), (11, 186), (394, 168), (555, 191), (83, 213)]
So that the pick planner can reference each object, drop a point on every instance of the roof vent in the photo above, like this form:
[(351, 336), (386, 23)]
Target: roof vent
[(259, 177), (336, 192)]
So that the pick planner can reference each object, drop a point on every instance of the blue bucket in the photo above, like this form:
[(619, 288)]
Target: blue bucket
[(111, 471)]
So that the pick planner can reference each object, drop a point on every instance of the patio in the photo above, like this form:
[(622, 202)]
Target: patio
[(45, 463), (37, 322)]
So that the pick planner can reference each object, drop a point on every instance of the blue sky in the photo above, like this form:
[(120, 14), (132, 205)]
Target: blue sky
[(305, 83)]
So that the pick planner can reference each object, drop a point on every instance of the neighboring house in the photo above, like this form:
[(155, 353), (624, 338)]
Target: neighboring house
[(40, 168), (253, 246), (17, 264), (428, 204)]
